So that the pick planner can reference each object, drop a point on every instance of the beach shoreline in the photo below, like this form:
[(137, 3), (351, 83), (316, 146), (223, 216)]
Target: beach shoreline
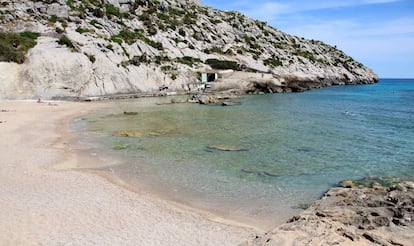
[(48, 197), (43, 201)]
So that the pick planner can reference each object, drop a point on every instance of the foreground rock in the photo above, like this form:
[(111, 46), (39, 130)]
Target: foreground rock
[(87, 49), (351, 216)]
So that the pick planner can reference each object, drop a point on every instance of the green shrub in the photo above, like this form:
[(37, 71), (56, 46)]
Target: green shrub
[(197, 36), (188, 60), (131, 37), (190, 19), (59, 30), (181, 32), (274, 62), (280, 45), (96, 24), (29, 35), (144, 17), (306, 54), (213, 49), (91, 57), (176, 12), (215, 21), (128, 36), (151, 29), (110, 47), (64, 40), (166, 68), (111, 10), (14, 46), (162, 27), (53, 19), (71, 4), (156, 45), (223, 64), (82, 30), (117, 39), (98, 12), (163, 16), (160, 59), (136, 60)]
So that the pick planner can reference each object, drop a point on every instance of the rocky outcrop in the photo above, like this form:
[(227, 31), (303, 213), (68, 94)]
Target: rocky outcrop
[(351, 216), (222, 98), (102, 48)]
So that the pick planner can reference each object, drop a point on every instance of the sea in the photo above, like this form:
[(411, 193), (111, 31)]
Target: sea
[(261, 161)]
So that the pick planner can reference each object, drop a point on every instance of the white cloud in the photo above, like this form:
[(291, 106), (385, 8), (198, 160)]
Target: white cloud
[(268, 11)]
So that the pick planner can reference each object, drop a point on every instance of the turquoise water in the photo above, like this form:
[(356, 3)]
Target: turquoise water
[(293, 146)]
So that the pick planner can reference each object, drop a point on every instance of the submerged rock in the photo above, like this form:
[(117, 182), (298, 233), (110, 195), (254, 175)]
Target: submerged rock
[(230, 103), (226, 148), (130, 113), (120, 146), (259, 172), (139, 134), (128, 134)]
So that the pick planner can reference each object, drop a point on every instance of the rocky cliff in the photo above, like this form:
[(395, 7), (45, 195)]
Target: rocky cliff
[(106, 47)]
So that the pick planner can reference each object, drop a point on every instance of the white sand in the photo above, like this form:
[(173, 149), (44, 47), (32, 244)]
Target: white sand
[(44, 205)]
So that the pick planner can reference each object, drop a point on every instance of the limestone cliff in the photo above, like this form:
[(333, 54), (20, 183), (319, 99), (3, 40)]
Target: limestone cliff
[(105, 47)]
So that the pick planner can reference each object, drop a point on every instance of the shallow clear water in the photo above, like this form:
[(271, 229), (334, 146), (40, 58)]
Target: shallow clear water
[(294, 146)]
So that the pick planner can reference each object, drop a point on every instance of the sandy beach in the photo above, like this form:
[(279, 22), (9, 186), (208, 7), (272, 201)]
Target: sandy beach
[(43, 202)]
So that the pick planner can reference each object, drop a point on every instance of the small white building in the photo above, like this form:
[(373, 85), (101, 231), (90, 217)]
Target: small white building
[(207, 77)]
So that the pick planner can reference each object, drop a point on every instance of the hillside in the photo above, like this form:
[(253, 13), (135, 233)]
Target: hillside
[(65, 49)]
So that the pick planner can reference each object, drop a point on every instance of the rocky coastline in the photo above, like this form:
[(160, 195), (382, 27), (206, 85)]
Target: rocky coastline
[(351, 215)]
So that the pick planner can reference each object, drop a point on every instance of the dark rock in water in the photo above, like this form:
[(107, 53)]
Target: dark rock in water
[(259, 172), (128, 134), (120, 147), (226, 148), (130, 113), (229, 103), (267, 173), (305, 149)]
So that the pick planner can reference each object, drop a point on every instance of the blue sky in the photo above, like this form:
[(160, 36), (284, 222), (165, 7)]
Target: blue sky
[(378, 33)]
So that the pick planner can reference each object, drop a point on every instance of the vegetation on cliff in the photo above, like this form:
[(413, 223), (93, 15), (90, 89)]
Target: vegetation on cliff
[(14, 46)]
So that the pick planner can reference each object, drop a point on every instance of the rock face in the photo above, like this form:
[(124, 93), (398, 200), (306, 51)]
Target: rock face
[(351, 216), (96, 48)]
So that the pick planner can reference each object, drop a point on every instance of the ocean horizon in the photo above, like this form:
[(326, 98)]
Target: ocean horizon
[(260, 161)]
